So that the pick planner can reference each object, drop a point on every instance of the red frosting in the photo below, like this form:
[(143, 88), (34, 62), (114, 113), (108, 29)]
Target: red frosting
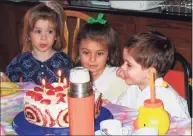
[(50, 91)]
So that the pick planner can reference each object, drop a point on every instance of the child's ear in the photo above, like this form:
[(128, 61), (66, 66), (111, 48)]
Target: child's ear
[(152, 70)]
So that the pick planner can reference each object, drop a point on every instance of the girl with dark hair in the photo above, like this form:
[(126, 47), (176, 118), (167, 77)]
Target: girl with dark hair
[(98, 50)]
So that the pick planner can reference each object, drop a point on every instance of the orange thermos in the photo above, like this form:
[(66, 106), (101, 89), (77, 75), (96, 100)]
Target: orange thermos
[(80, 103)]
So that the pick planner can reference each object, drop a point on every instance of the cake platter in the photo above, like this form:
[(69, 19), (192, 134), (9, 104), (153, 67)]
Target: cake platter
[(22, 127)]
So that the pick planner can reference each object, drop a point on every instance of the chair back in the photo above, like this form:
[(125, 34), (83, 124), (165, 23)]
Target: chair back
[(176, 80), (78, 16), (180, 80)]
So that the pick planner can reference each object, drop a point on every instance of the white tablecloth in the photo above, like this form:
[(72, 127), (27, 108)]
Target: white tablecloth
[(13, 104)]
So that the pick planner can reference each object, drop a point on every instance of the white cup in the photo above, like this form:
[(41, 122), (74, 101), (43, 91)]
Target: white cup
[(146, 131), (112, 127)]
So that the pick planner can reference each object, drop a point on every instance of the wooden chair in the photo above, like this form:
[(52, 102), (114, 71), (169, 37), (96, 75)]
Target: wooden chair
[(180, 80), (70, 45)]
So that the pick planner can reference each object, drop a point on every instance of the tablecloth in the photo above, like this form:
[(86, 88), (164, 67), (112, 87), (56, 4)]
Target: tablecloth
[(13, 104), (178, 126)]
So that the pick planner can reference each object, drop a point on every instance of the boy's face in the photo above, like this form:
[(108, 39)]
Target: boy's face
[(93, 56), (43, 35), (133, 73)]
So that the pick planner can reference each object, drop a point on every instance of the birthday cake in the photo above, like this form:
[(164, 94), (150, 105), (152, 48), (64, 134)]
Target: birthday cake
[(48, 107)]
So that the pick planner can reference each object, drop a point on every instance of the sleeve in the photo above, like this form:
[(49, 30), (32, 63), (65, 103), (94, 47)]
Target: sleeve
[(179, 107), (175, 104), (116, 88), (123, 99), (13, 69)]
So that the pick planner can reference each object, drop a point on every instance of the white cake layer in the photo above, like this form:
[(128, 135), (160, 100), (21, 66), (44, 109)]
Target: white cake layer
[(53, 108)]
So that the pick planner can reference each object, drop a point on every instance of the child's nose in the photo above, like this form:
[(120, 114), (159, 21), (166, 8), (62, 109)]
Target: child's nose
[(93, 57), (43, 36), (120, 73), (123, 66)]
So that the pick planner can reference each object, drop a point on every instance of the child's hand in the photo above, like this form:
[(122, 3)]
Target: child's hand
[(4, 78), (105, 101), (120, 73)]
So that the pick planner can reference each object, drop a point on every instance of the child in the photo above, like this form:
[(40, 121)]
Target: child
[(145, 53), (43, 37), (98, 50)]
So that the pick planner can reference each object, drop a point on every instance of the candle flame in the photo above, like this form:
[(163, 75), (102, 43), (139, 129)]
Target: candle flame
[(43, 82), (59, 73)]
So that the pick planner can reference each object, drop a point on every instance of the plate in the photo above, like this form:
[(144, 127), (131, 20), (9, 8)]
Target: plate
[(22, 127), (97, 133), (7, 88)]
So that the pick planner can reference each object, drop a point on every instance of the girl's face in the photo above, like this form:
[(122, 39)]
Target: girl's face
[(93, 56), (43, 36), (133, 73)]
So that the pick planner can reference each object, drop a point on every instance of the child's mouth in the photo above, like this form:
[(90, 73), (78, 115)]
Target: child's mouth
[(92, 66), (42, 45)]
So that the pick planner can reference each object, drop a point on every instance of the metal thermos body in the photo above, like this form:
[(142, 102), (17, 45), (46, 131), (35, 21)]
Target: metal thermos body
[(80, 103)]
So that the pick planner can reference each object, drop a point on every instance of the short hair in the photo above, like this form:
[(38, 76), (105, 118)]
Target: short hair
[(42, 11), (103, 34), (152, 49)]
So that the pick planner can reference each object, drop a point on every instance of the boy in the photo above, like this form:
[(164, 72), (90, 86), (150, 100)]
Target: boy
[(146, 53)]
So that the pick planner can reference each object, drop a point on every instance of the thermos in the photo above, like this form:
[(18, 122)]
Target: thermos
[(80, 103)]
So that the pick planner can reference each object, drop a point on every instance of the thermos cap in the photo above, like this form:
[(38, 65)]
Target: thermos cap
[(79, 75)]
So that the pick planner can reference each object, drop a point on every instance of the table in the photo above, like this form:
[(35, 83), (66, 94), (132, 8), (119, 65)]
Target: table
[(13, 104), (127, 116)]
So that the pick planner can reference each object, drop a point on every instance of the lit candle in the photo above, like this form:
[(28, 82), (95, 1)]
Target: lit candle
[(44, 83), (59, 76), (65, 82)]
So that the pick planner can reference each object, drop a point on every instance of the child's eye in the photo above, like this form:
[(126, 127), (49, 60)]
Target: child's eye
[(51, 31), (37, 31), (85, 52), (100, 53), (128, 65)]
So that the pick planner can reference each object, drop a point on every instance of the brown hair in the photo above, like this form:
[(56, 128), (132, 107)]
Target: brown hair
[(152, 49), (103, 34), (42, 11)]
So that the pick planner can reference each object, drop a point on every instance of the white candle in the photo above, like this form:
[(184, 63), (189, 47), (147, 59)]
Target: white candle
[(44, 83), (59, 76), (65, 82)]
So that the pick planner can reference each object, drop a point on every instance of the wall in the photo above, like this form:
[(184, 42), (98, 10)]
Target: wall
[(180, 32)]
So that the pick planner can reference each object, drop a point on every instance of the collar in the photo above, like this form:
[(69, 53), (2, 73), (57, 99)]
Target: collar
[(159, 82)]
